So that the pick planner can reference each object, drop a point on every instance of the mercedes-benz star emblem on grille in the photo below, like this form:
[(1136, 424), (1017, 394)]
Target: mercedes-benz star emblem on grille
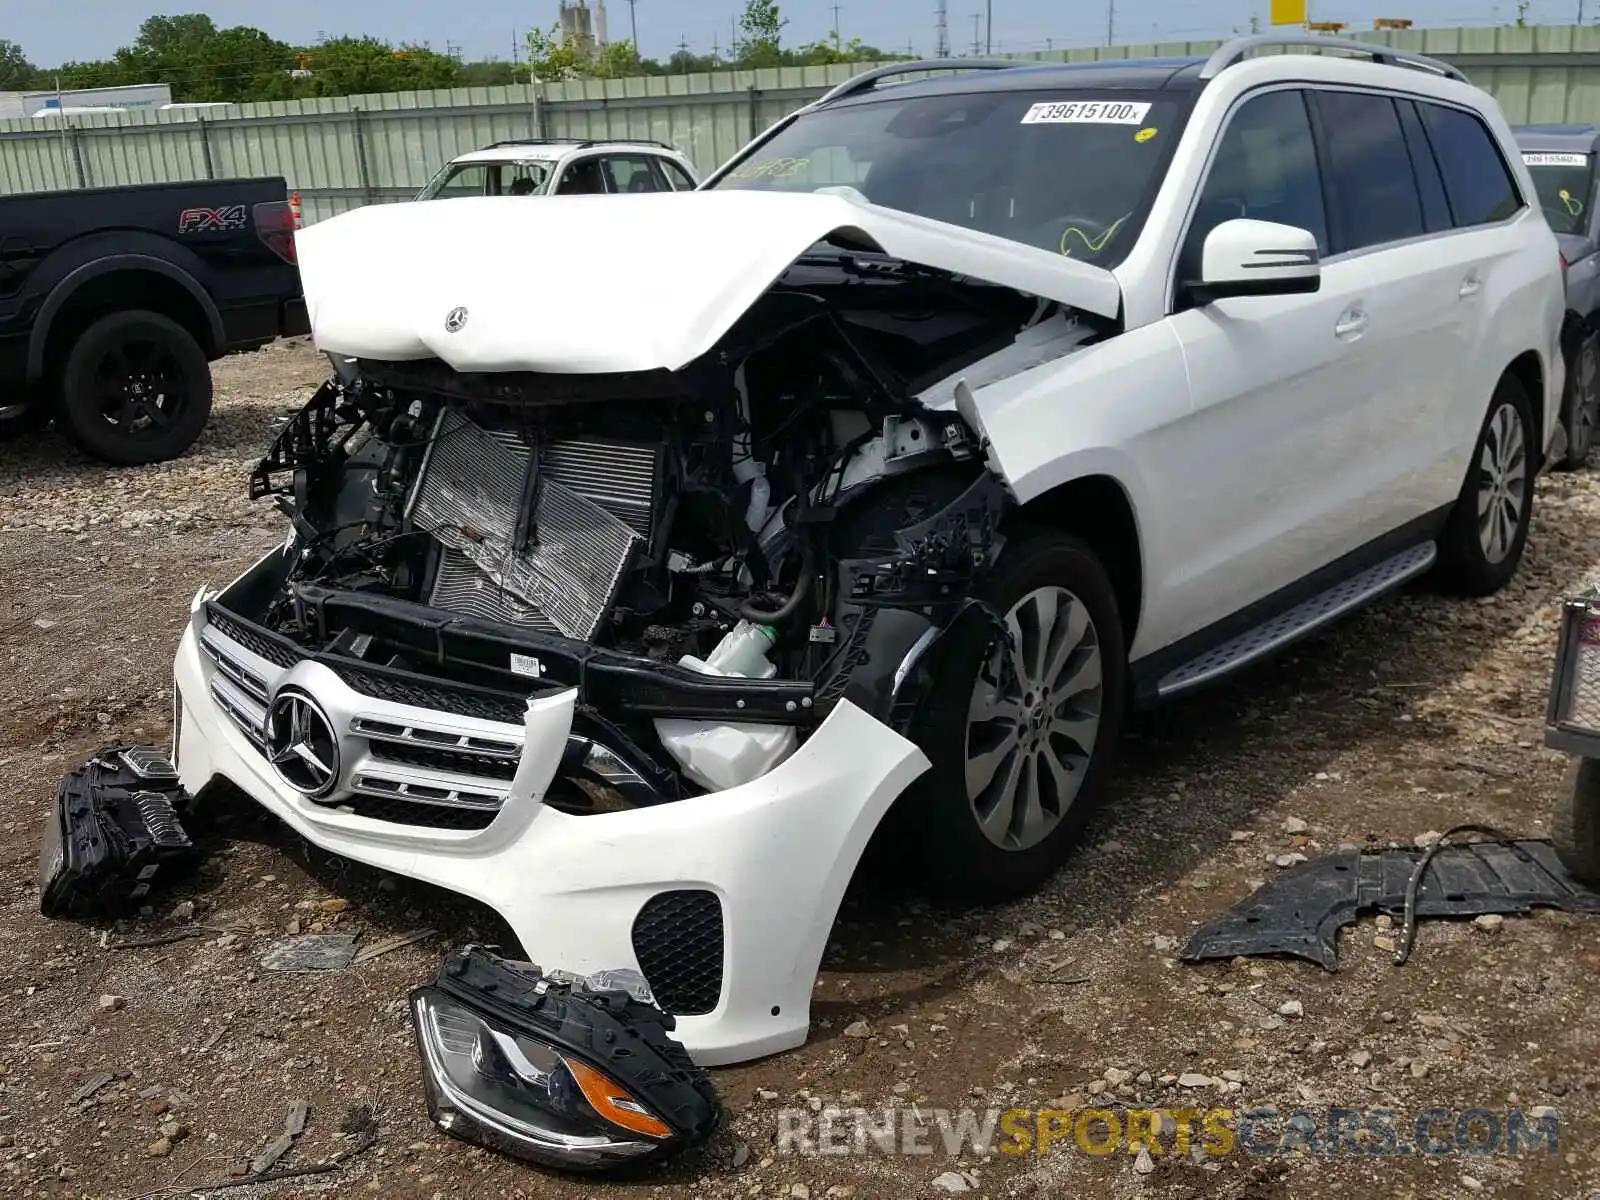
[(456, 321), (301, 743)]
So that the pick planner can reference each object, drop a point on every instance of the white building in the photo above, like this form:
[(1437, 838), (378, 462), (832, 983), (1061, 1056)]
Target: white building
[(137, 97)]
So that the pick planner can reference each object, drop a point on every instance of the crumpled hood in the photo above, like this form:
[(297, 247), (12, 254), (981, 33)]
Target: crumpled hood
[(578, 284)]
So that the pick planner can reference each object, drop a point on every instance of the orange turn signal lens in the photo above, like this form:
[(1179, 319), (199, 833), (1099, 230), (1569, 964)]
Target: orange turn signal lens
[(613, 1101)]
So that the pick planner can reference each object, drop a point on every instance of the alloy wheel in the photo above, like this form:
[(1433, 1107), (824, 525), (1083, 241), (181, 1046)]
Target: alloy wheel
[(1033, 719), (1502, 483), (139, 387)]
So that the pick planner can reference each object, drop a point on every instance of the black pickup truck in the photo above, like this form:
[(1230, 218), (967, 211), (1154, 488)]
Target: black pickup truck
[(113, 301)]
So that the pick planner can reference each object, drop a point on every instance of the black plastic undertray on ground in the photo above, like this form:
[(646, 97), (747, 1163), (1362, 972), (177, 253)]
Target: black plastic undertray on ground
[(1301, 912)]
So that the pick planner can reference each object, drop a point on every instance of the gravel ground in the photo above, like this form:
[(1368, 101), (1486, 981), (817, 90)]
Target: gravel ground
[(1412, 717)]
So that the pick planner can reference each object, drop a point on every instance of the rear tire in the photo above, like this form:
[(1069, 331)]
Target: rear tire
[(1575, 828), (1020, 742), (1487, 531), (136, 389)]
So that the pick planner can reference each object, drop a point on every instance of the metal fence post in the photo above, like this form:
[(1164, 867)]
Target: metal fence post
[(205, 148), (361, 158), (77, 153), (755, 115)]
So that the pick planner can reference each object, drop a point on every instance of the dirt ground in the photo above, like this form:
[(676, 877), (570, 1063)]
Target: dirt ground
[(1413, 717)]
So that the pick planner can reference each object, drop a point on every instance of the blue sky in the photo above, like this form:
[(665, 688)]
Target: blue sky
[(84, 29)]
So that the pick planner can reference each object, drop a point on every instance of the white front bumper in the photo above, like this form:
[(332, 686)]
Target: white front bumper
[(778, 852)]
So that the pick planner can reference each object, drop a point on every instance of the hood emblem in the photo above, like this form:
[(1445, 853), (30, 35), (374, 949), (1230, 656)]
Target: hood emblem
[(456, 320), (301, 743)]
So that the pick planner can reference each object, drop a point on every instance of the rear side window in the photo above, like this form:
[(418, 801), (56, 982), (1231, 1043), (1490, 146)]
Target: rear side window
[(632, 173), (1480, 187), (1430, 184), (679, 177), (1374, 189)]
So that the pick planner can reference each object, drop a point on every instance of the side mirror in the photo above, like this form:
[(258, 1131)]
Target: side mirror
[(1256, 258)]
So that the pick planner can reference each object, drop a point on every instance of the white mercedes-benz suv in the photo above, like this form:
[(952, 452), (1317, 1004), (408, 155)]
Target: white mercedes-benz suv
[(651, 553)]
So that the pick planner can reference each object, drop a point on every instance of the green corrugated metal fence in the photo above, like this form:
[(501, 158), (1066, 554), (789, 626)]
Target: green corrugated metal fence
[(343, 152)]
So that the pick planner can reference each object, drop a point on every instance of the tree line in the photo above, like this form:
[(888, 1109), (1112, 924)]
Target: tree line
[(201, 62)]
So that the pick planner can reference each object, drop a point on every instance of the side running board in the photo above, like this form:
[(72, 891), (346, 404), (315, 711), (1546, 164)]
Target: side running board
[(1321, 609)]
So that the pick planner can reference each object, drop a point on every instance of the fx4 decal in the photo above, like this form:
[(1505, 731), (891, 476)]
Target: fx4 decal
[(206, 220)]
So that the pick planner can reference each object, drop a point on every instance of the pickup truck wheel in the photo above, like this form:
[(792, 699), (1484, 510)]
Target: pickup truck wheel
[(1575, 829), (136, 389), (1020, 725), (1488, 528), (1580, 409)]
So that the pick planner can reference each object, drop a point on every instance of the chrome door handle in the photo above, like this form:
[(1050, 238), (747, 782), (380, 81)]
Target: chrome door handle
[(1470, 286), (1351, 322)]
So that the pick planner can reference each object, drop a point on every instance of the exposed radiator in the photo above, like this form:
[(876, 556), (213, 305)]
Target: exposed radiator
[(591, 506)]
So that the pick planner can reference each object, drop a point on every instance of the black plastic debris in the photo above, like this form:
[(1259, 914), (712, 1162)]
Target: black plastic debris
[(113, 834), (559, 1073), (1301, 912)]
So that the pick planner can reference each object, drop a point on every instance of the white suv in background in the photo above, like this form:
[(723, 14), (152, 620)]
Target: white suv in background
[(563, 167)]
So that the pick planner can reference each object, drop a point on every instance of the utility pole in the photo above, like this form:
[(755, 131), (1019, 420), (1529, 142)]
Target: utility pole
[(941, 26), (1111, 21), (988, 26), (977, 42), (683, 49), (633, 23), (836, 26)]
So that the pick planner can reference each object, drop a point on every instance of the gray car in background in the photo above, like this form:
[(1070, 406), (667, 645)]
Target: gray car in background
[(1561, 159)]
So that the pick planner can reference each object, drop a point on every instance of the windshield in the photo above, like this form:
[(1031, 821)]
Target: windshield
[(487, 179), (1071, 172), (1563, 184)]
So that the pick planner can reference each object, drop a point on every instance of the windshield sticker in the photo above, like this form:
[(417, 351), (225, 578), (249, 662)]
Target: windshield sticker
[(1547, 159), (1087, 112), (773, 168), (1145, 134)]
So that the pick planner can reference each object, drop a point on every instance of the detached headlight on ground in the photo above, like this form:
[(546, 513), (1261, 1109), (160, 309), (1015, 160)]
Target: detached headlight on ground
[(553, 1072)]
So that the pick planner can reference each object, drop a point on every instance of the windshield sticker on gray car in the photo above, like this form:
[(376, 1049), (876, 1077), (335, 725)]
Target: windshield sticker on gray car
[(1087, 112)]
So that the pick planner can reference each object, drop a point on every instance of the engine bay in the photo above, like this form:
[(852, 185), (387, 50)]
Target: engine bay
[(713, 556)]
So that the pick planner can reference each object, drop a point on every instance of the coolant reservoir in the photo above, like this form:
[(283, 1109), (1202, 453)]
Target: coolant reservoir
[(721, 756)]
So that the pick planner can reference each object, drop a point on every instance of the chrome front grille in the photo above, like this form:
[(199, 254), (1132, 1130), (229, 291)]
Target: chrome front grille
[(400, 764)]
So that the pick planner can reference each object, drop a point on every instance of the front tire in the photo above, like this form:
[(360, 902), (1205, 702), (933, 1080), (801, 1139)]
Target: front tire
[(1020, 729), (1488, 529), (136, 389)]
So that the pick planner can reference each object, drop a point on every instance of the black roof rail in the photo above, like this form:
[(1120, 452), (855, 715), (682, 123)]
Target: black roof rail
[(1234, 52), (579, 143), (867, 79)]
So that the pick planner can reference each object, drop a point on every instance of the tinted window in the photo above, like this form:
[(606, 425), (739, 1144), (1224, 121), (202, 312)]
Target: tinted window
[(1475, 176), (1067, 170), (487, 179), (1374, 190), (1265, 168), (582, 178), (679, 177), (1435, 208), (631, 173)]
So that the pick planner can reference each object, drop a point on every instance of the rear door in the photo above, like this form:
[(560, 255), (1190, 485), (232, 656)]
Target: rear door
[(1274, 381), (1395, 221), (1500, 291)]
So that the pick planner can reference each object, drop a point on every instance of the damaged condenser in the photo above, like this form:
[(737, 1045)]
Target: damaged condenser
[(713, 555)]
